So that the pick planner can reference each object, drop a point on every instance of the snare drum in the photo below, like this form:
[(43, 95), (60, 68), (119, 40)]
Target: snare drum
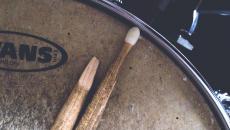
[(44, 47)]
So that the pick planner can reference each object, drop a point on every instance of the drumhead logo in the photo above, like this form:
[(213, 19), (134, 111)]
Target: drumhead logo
[(23, 52)]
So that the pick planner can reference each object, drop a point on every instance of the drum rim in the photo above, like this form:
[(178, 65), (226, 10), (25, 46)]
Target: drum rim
[(205, 89)]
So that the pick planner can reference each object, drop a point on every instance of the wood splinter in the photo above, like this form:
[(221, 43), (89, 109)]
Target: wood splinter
[(70, 111), (92, 116)]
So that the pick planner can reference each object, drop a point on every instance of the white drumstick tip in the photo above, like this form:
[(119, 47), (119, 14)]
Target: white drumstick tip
[(132, 35)]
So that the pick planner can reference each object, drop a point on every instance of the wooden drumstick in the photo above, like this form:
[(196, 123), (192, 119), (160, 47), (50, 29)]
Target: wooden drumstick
[(92, 116), (69, 113)]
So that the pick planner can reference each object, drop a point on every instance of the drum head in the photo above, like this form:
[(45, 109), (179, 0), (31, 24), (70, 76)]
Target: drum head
[(44, 47)]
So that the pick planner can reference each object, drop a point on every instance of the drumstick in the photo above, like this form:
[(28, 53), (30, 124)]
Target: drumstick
[(90, 119), (69, 113)]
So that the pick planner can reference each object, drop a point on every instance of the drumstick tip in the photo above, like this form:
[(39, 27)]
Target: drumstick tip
[(132, 35), (87, 76)]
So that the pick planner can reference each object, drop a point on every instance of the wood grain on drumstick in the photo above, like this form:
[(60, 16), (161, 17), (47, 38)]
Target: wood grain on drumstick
[(92, 116), (69, 113)]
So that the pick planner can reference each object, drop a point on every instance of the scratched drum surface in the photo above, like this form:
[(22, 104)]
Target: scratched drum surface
[(151, 92)]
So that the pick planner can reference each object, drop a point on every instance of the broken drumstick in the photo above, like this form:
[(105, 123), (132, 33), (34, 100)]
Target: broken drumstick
[(94, 111), (69, 113)]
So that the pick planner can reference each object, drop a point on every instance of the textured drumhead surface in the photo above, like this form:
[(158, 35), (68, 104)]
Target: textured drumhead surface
[(151, 92)]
